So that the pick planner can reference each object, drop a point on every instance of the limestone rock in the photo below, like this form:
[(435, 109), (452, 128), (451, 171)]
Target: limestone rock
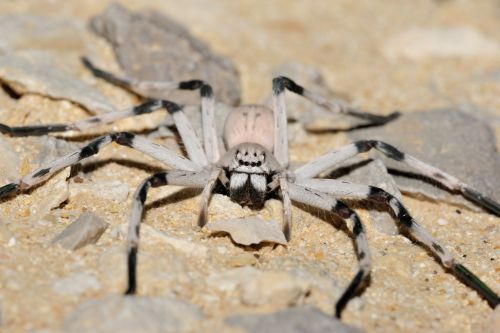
[(87, 229), (301, 319), (151, 235), (250, 230), (130, 314), (443, 139), (256, 288), (35, 72), (152, 47)]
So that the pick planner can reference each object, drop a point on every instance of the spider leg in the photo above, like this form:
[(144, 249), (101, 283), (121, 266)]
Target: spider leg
[(191, 142), (208, 120), (321, 200), (140, 87), (287, 208), (206, 195), (154, 150), (332, 158), (333, 106), (174, 177), (207, 107), (280, 123), (84, 124), (357, 191)]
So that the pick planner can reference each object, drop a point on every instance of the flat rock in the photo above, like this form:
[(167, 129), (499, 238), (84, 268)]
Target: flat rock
[(36, 72), (423, 43), (453, 141), (250, 230), (152, 235), (374, 172), (11, 163), (75, 284), (152, 47), (300, 319), (87, 229), (127, 314), (255, 287)]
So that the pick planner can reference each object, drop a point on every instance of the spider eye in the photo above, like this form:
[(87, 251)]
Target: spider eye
[(246, 163)]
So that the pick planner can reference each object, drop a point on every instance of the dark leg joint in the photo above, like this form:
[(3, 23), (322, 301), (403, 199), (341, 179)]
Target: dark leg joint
[(364, 145), (191, 85), (147, 107), (282, 82), (171, 106), (342, 210), (379, 195), (123, 138), (159, 179), (91, 149), (206, 91)]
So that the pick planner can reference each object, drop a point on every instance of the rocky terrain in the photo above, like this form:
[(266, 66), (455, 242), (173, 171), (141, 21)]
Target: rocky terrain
[(62, 244)]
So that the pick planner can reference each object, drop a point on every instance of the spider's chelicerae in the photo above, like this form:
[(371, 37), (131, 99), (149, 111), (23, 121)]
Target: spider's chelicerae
[(254, 167)]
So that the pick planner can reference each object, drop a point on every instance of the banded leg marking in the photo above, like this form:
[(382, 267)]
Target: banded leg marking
[(154, 150), (177, 177), (332, 158), (140, 87), (333, 106), (323, 201), (345, 189), (208, 120), (280, 123)]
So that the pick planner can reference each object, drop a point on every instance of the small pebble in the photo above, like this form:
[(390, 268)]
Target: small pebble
[(87, 229)]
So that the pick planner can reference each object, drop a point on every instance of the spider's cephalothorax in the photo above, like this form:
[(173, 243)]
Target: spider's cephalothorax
[(250, 168), (256, 162), (249, 163)]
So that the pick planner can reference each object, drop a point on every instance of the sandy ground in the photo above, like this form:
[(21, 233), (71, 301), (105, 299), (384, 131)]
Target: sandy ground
[(409, 291)]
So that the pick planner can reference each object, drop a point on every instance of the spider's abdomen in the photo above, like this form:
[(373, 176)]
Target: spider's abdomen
[(250, 123)]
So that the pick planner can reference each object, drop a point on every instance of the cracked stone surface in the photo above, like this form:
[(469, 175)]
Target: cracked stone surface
[(87, 229), (37, 73), (153, 47), (441, 138), (344, 40)]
